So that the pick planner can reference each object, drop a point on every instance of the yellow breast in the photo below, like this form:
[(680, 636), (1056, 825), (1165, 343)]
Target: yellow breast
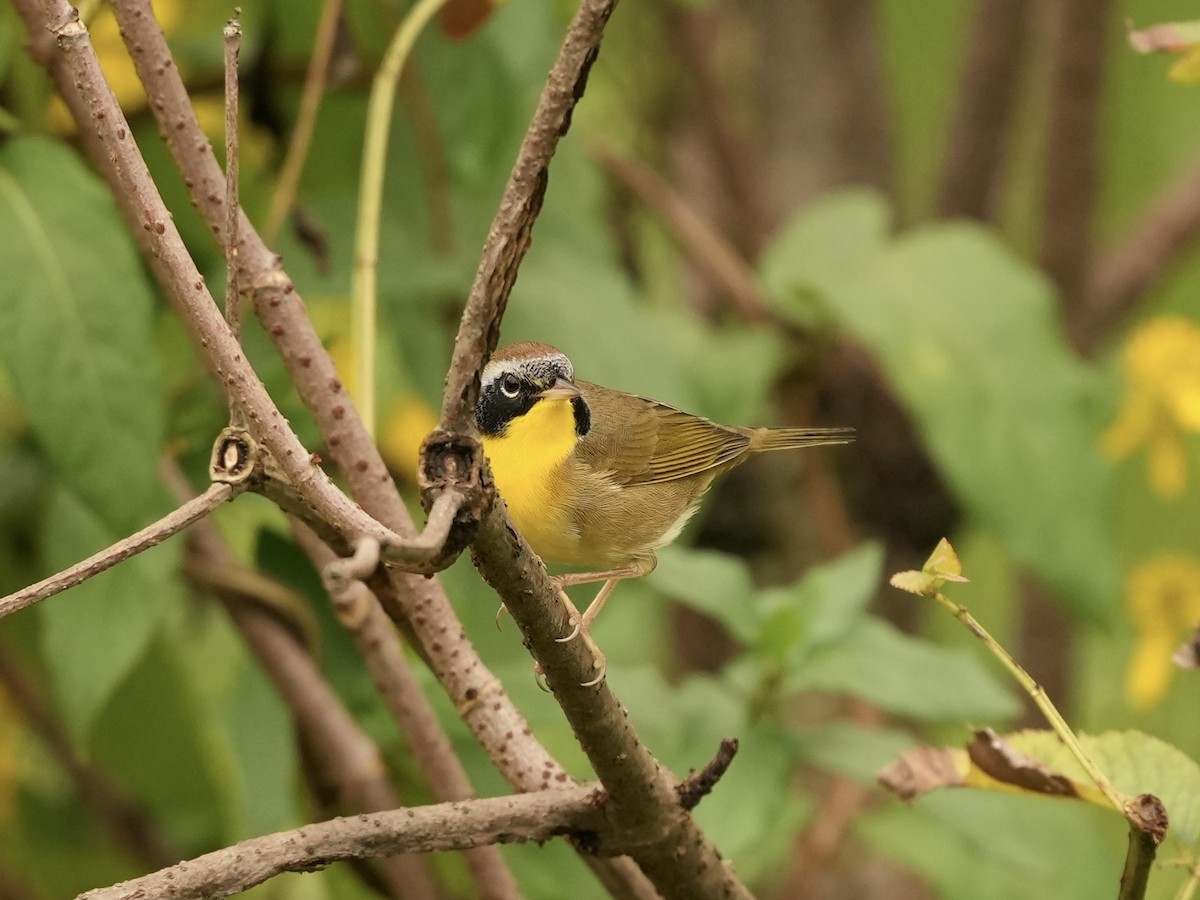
[(525, 462)]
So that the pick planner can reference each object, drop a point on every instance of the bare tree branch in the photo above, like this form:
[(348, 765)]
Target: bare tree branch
[(129, 825), (707, 248), (172, 523), (380, 646), (988, 90), (1125, 272), (233, 296), (1078, 48), (424, 829)]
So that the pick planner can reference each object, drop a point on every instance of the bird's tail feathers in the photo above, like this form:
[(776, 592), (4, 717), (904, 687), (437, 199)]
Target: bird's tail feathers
[(788, 438)]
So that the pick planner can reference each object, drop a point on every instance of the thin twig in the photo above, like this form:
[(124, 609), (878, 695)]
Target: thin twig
[(424, 829), (380, 646), (708, 250), (1040, 699), (664, 839), (363, 316), (315, 81), (128, 825), (233, 298), (172, 523)]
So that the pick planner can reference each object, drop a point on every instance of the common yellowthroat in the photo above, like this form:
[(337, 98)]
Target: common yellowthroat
[(600, 478)]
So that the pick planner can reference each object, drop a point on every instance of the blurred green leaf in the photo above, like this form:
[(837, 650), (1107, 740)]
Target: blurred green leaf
[(75, 330), (905, 675), (93, 634), (716, 584), (968, 336)]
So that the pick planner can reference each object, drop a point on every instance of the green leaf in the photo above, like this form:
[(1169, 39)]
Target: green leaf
[(968, 336), (716, 584), (75, 330), (93, 634), (905, 675)]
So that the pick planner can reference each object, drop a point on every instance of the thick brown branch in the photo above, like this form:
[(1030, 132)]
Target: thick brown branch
[(976, 140), (649, 822), (1078, 51), (425, 829), (377, 641), (172, 523)]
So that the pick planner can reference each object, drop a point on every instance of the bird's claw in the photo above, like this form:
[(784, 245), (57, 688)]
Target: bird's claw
[(577, 622), (500, 615)]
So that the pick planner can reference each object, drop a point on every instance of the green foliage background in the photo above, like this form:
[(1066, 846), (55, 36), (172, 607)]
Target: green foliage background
[(154, 686)]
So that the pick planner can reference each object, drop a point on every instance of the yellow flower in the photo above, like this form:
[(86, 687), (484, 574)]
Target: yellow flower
[(1163, 595), (1162, 400)]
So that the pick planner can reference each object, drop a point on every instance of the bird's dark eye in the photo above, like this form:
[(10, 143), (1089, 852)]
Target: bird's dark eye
[(510, 385)]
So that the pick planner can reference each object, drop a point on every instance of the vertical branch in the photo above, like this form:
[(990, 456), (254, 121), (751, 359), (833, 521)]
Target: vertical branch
[(976, 139), (233, 297), (310, 104), (1072, 155)]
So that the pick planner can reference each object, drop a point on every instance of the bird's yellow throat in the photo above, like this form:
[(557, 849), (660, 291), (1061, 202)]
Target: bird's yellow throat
[(524, 460)]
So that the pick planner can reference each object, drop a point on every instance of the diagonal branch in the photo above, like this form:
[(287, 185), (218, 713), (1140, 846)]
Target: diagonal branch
[(175, 521), (1125, 272), (424, 829)]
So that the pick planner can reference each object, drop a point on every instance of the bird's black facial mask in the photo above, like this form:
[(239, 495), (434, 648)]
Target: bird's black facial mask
[(512, 391)]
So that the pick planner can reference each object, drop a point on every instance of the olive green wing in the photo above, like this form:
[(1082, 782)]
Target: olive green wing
[(642, 441)]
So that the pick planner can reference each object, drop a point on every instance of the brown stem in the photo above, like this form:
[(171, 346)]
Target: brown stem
[(380, 646), (988, 91), (424, 829), (1125, 272), (509, 237), (233, 296), (1072, 153), (175, 521), (128, 825), (708, 250)]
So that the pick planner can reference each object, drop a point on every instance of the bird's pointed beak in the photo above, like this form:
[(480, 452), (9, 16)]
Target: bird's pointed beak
[(561, 389)]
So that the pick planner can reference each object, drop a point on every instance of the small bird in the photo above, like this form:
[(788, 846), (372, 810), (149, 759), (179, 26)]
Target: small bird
[(599, 478)]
